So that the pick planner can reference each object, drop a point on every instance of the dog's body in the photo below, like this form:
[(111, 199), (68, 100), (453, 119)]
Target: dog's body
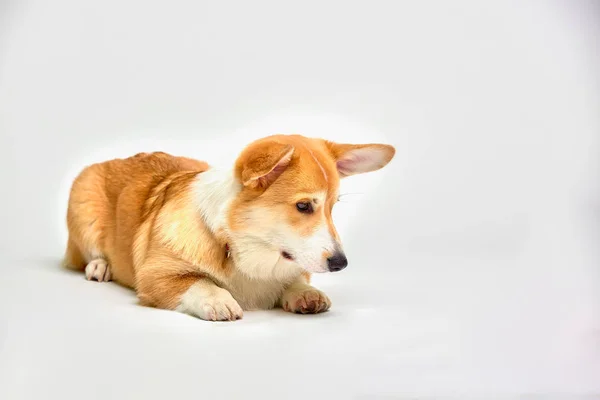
[(212, 243)]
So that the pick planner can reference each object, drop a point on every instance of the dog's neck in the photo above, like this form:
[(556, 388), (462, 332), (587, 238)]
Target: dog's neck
[(215, 191)]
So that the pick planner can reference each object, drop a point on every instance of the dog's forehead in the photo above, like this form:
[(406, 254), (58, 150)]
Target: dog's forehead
[(315, 174)]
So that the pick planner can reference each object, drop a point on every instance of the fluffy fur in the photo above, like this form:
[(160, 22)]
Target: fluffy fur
[(212, 243)]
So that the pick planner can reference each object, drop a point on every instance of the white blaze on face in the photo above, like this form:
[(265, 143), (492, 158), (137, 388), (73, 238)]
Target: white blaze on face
[(259, 246), (310, 252)]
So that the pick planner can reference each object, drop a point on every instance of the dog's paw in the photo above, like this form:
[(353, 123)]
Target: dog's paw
[(98, 269), (215, 308), (210, 304), (307, 300)]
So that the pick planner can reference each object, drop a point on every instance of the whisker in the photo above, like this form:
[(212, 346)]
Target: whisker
[(341, 196), (346, 194)]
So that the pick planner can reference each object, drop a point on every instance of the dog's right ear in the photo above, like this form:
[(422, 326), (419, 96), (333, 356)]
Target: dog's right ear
[(261, 163), (352, 159)]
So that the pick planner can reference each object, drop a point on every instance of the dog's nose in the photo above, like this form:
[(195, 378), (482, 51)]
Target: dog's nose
[(337, 262)]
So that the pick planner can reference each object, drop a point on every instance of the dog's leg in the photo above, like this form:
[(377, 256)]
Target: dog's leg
[(171, 287), (74, 259), (302, 298)]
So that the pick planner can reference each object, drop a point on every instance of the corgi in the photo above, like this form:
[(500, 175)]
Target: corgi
[(212, 243)]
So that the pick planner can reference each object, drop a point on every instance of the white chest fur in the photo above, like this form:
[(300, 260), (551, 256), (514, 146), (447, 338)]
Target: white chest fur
[(260, 275), (261, 293), (255, 294)]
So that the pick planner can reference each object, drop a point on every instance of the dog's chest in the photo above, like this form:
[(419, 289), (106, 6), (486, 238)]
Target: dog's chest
[(255, 294)]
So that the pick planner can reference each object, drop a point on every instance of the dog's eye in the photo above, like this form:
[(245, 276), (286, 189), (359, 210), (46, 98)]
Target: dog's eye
[(304, 207)]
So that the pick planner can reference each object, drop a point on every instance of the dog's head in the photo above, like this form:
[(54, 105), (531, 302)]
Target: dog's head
[(290, 185)]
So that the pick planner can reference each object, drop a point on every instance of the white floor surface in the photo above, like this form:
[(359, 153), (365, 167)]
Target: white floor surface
[(387, 336)]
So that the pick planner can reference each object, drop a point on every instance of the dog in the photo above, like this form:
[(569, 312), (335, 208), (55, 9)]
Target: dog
[(212, 243)]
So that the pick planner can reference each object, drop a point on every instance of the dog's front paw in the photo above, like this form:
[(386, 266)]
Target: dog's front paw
[(219, 309), (305, 300), (210, 303)]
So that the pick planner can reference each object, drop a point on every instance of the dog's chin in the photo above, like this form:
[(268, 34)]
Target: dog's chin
[(316, 270), (287, 259)]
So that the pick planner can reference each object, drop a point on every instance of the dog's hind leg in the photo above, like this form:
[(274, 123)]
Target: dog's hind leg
[(74, 259), (87, 213)]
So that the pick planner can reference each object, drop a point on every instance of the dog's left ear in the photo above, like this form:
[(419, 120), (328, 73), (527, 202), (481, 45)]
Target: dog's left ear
[(352, 159), (261, 163)]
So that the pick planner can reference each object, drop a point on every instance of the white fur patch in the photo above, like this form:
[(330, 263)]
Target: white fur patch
[(260, 294), (259, 258), (308, 252), (258, 253), (215, 190), (207, 301)]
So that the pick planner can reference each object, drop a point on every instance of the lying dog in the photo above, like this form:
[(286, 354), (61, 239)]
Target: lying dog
[(212, 243)]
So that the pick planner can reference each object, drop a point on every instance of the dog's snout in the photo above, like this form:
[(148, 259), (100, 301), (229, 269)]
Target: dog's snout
[(337, 262)]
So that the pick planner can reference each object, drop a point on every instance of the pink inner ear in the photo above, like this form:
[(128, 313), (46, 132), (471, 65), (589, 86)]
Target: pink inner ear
[(361, 160), (347, 166), (269, 178)]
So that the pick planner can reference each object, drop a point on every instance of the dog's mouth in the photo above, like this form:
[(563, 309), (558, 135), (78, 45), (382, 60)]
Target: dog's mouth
[(287, 255)]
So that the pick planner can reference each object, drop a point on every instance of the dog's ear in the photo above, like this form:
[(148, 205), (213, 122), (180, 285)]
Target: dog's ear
[(261, 163), (352, 159)]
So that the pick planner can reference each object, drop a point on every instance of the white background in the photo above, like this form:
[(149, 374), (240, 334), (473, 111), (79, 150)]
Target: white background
[(474, 261)]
